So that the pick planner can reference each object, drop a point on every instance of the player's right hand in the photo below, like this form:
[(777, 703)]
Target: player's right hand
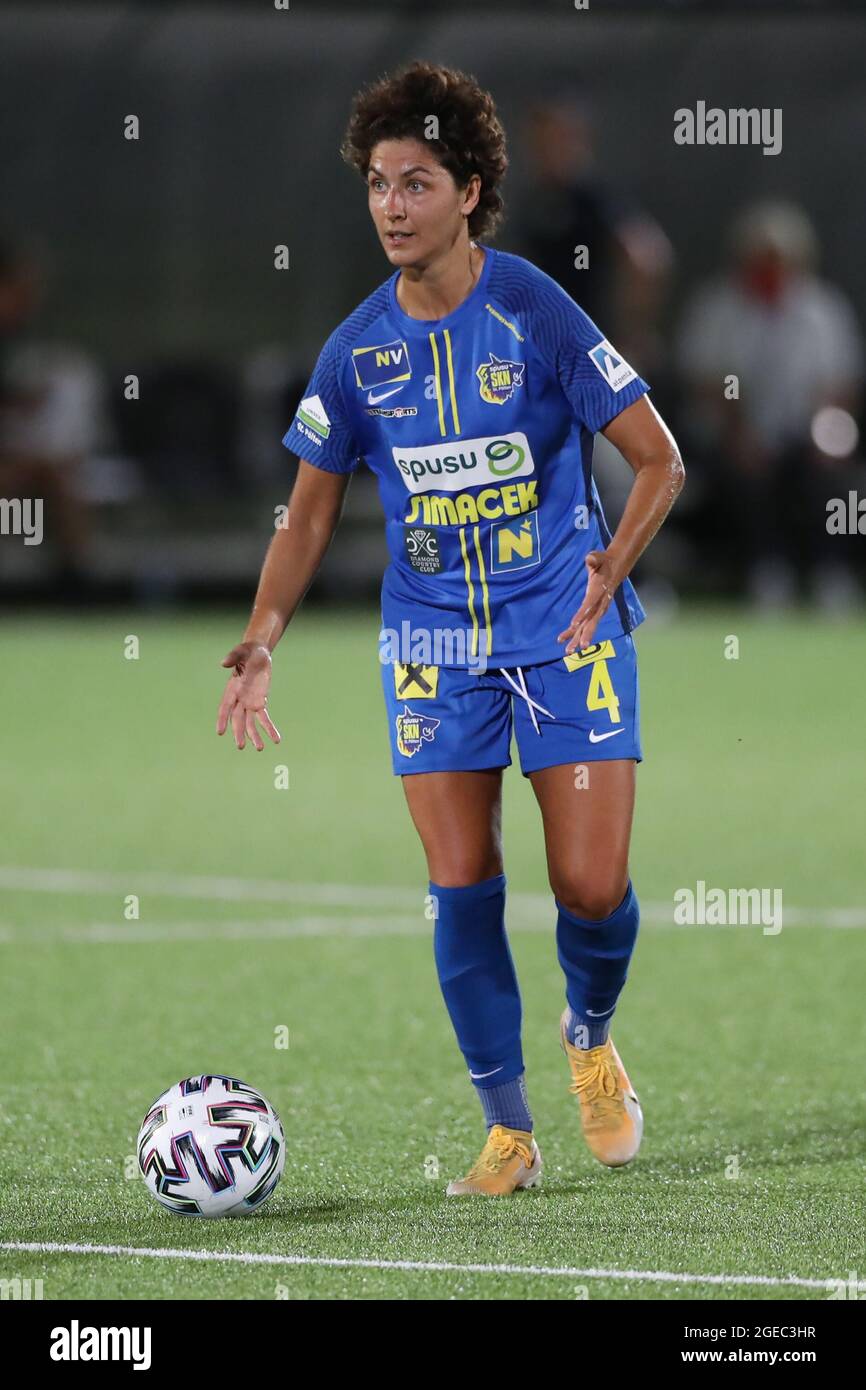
[(245, 699)]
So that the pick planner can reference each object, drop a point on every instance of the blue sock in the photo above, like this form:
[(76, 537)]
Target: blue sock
[(595, 959), (479, 986), (506, 1104)]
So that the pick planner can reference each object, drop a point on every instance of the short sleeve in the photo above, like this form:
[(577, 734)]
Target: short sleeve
[(597, 381), (321, 431)]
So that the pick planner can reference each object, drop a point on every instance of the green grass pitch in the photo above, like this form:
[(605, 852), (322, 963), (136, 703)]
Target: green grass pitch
[(262, 908)]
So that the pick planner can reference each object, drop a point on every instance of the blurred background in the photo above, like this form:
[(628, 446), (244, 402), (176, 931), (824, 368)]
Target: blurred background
[(154, 258)]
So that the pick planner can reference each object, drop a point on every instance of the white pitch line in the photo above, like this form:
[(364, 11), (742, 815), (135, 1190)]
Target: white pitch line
[(537, 907), (248, 929), (251, 929), (649, 1276), (206, 886)]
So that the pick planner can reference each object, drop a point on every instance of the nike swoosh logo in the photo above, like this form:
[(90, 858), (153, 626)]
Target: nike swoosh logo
[(477, 1075), (592, 1012), (383, 396), (599, 738)]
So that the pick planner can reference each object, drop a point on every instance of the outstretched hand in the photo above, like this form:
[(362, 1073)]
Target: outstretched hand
[(602, 582), (245, 698)]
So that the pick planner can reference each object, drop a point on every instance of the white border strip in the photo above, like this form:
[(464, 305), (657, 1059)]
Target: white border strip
[(431, 1266)]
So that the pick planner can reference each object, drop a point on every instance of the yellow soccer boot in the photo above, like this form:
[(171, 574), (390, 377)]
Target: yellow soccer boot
[(509, 1160), (610, 1111)]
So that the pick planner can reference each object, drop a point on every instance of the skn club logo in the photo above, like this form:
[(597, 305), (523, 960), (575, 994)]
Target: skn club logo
[(484, 460), (414, 730), (499, 378)]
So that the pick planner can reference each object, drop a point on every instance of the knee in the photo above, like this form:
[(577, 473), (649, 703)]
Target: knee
[(591, 897), (464, 873)]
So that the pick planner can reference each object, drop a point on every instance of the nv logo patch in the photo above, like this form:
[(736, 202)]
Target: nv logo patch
[(514, 544), (376, 366), (414, 730), (412, 680), (615, 370)]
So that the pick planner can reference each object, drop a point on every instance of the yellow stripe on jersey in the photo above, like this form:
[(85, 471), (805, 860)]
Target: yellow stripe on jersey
[(467, 570), (488, 626), (454, 415), (437, 377)]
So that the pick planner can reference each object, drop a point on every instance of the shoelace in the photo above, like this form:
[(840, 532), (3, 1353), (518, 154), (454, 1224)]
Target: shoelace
[(598, 1081), (496, 1151)]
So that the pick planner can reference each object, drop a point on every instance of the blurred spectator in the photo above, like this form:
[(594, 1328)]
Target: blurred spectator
[(794, 345), (52, 415), (568, 205), (183, 432)]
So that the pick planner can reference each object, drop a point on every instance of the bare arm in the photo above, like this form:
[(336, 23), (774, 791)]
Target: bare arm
[(647, 444), (296, 552), (291, 564)]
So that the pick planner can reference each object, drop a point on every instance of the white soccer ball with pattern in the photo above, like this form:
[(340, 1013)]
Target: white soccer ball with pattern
[(211, 1146)]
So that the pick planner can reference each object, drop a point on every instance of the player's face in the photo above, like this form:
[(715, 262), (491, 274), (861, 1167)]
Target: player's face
[(417, 208)]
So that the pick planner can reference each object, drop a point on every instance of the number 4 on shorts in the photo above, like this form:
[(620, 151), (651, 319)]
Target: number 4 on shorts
[(600, 694)]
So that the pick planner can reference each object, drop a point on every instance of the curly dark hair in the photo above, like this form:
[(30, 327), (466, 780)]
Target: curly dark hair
[(471, 138)]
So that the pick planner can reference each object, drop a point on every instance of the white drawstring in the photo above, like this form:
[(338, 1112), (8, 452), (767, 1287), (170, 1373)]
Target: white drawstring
[(521, 690)]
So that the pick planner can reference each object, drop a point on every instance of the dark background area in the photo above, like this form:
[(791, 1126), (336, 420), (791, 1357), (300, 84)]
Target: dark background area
[(156, 256)]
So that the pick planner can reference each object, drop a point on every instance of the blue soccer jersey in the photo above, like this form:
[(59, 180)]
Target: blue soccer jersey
[(479, 427)]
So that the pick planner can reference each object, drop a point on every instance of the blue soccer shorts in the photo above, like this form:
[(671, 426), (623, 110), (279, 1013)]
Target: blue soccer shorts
[(577, 709)]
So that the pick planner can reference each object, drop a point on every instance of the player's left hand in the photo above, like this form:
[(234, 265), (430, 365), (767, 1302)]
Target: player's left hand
[(602, 581)]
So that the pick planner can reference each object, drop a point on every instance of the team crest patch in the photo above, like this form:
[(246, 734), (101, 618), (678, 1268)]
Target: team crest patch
[(422, 549), (599, 651), (499, 378), (414, 681), (413, 730)]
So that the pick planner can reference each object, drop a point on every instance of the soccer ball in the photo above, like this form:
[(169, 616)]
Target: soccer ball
[(211, 1146)]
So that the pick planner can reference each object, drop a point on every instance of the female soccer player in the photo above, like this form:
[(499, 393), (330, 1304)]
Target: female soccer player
[(472, 385)]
